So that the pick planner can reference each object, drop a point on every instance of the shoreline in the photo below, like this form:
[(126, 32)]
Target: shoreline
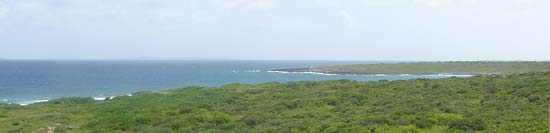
[(348, 74), (321, 71), (103, 98), (477, 68), (29, 102)]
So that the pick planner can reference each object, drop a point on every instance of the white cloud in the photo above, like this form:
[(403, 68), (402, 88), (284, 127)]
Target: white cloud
[(349, 19), (243, 4), (261, 4), (525, 2), (118, 10), (228, 4), (3, 9), (527, 7), (281, 22), (470, 2), (384, 3), (31, 7), (434, 3)]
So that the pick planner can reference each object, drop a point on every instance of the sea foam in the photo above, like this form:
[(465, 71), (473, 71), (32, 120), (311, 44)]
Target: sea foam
[(253, 71), (25, 103), (317, 73), (377, 75), (103, 98)]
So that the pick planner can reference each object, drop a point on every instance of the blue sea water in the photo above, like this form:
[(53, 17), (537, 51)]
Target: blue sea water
[(25, 82)]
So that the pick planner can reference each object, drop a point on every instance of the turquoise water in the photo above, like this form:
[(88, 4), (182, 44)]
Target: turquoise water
[(26, 82)]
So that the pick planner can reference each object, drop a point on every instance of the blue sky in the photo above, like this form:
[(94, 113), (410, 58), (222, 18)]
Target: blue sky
[(276, 29)]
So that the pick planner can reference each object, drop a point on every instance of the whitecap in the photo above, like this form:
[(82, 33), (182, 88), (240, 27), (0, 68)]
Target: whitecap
[(99, 98), (455, 75), (277, 72), (317, 73), (24, 103), (105, 98), (252, 71)]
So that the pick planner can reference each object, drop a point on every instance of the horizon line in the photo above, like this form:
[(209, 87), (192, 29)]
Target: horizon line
[(231, 59)]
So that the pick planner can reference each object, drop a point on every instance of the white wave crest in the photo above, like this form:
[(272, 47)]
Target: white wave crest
[(253, 71), (318, 73), (24, 103), (377, 75), (103, 98)]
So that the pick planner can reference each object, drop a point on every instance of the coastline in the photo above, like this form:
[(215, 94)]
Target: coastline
[(322, 71), (102, 98), (348, 74), (281, 71), (272, 72), (475, 68), (29, 102)]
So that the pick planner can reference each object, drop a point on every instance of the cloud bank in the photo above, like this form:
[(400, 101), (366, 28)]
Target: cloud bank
[(263, 29)]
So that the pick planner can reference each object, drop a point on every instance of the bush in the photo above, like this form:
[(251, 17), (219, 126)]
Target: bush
[(468, 125), (73, 100)]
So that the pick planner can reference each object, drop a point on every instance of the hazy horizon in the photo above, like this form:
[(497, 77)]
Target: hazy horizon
[(236, 59), (362, 30)]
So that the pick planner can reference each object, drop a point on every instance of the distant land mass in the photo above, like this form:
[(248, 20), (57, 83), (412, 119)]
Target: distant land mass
[(454, 68), (178, 58), (129, 58)]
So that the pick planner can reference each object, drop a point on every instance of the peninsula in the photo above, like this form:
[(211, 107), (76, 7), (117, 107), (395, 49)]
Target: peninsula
[(424, 68)]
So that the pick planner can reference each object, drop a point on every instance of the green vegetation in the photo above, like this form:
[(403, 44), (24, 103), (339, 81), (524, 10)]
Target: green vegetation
[(515, 103), (461, 67)]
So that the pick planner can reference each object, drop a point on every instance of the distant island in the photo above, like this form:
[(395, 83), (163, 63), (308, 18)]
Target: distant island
[(422, 68), (179, 58)]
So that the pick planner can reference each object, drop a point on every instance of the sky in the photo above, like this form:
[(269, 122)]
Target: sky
[(405, 30)]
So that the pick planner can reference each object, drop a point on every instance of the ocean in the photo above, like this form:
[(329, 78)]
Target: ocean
[(30, 81)]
